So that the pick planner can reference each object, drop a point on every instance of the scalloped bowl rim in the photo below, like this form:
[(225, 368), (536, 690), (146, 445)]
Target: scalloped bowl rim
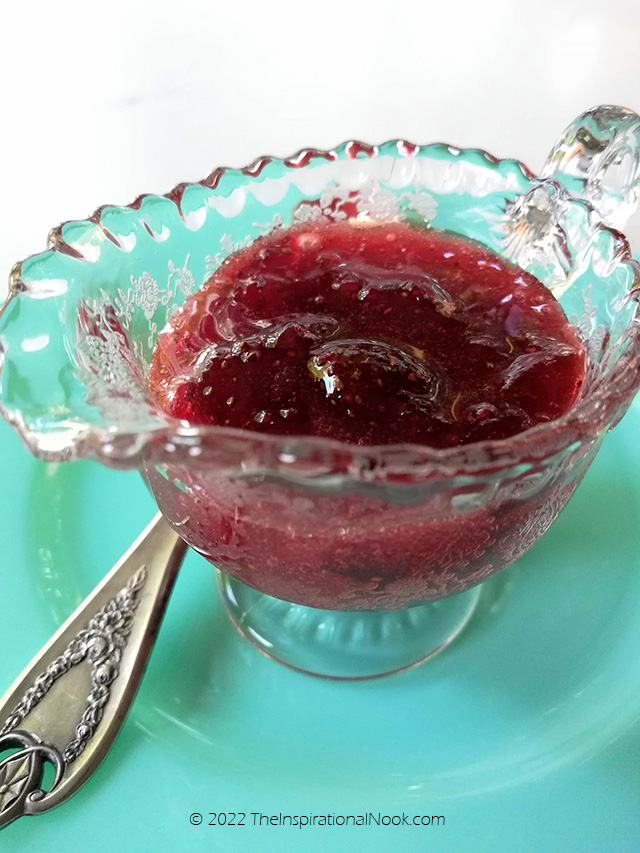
[(166, 441)]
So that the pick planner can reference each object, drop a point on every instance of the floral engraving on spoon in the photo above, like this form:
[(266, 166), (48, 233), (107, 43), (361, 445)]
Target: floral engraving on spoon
[(102, 643)]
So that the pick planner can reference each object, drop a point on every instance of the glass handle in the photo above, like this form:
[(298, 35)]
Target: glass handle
[(598, 158)]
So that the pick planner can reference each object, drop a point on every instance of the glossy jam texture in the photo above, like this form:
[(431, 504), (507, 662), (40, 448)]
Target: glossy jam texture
[(371, 334)]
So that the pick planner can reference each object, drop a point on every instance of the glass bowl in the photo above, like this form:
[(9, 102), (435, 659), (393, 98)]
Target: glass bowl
[(339, 560)]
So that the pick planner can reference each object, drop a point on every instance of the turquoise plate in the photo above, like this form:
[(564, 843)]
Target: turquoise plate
[(524, 735)]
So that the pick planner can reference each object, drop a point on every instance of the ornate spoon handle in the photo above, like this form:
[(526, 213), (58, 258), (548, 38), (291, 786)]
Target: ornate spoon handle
[(68, 705)]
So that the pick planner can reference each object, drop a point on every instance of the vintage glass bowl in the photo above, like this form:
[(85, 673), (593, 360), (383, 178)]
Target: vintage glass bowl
[(340, 560)]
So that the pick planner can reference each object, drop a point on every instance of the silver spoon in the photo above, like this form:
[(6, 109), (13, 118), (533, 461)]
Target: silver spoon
[(68, 705)]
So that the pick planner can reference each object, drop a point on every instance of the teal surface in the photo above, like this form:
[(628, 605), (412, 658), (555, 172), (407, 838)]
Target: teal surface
[(524, 734)]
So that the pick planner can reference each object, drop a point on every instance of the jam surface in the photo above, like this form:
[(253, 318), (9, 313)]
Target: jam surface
[(371, 334)]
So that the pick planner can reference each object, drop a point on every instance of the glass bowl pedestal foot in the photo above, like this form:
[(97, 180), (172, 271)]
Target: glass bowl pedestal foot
[(345, 644)]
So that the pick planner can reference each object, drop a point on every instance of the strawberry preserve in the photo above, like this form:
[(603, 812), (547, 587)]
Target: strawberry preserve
[(371, 334)]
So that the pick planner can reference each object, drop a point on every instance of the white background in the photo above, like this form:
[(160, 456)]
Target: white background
[(103, 101)]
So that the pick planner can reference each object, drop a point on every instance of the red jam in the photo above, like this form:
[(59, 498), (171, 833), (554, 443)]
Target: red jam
[(371, 334)]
